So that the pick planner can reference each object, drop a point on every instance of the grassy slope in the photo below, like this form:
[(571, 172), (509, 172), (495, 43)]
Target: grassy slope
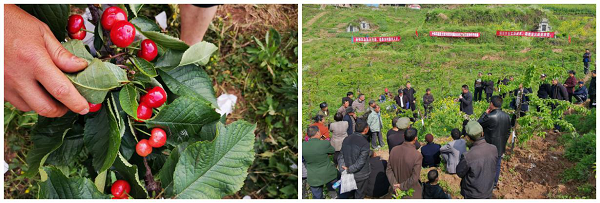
[(332, 65)]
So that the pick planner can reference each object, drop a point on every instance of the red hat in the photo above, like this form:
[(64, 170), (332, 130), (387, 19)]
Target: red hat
[(386, 90)]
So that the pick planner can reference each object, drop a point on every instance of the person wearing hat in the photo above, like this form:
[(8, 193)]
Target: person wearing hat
[(359, 104), (427, 100), (496, 126), (477, 167), (339, 131), (410, 95), (354, 158), (478, 87), (395, 136), (324, 110), (404, 166), (586, 61), (545, 88), (350, 117), (345, 105), (570, 84), (581, 93), (592, 90), (375, 126), (430, 152), (320, 169)]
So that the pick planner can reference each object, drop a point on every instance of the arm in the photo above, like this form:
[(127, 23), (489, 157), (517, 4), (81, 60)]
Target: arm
[(341, 162), (414, 178), (360, 162), (462, 169), (446, 148), (484, 120), (390, 175), (330, 149)]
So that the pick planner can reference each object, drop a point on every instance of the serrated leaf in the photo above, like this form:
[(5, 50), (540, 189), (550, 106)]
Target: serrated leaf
[(102, 137), (53, 15), (165, 40), (95, 81), (142, 23), (144, 66), (170, 60), (47, 136), (184, 117), (77, 48), (70, 148), (218, 168), (135, 8), (128, 100), (166, 172), (190, 80), (198, 53), (58, 186), (120, 73), (129, 173)]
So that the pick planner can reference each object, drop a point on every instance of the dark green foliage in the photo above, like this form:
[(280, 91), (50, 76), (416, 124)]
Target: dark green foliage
[(583, 123), (581, 149)]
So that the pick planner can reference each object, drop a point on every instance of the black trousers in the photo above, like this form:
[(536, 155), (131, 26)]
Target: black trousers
[(592, 101), (586, 67), (478, 93), (358, 193), (571, 97), (488, 96)]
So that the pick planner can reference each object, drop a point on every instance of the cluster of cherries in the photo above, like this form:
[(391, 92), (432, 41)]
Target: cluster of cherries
[(155, 98), (120, 189)]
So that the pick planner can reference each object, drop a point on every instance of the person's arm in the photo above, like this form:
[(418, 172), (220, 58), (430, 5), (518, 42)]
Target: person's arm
[(194, 22), (446, 148), (390, 175), (330, 149), (360, 162), (34, 67), (484, 120), (462, 168), (414, 176)]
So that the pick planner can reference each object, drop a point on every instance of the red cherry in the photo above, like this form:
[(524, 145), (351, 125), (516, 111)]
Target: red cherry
[(75, 24), (112, 15), (95, 107), (155, 98), (143, 148), (158, 138), (144, 112), (120, 189), (122, 34), (78, 35), (148, 50)]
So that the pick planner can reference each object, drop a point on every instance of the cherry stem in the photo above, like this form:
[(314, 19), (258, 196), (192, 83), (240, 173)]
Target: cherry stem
[(128, 47), (151, 184), (114, 56), (143, 90), (143, 131), (88, 31)]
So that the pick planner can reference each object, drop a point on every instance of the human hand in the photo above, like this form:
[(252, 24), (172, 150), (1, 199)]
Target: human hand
[(345, 168), (460, 96), (396, 186), (34, 62)]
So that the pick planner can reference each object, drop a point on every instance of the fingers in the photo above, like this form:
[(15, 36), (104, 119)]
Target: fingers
[(63, 59), (40, 101), (16, 100), (61, 88)]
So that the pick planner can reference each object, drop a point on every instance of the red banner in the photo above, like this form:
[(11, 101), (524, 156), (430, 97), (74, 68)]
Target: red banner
[(454, 34), (376, 39), (525, 34)]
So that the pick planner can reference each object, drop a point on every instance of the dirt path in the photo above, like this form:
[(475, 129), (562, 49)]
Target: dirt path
[(313, 20)]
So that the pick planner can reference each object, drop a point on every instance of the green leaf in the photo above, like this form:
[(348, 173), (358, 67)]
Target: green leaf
[(190, 80), (166, 172), (142, 23), (58, 186), (77, 48), (102, 137), (198, 53), (53, 15), (144, 66), (120, 73), (128, 99), (129, 173), (47, 136), (170, 60), (68, 152), (98, 37), (218, 168), (95, 81), (166, 40), (135, 8), (184, 117)]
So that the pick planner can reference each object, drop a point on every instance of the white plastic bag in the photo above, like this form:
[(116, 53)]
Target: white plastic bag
[(348, 182)]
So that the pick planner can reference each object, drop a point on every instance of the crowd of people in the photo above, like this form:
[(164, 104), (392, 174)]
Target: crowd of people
[(475, 154)]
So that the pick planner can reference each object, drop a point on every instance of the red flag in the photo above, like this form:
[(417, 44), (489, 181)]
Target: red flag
[(569, 39), (417, 32)]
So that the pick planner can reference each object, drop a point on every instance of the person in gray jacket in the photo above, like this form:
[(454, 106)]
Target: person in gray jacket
[(354, 158), (452, 151), (359, 104), (375, 124), (477, 167), (338, 133)]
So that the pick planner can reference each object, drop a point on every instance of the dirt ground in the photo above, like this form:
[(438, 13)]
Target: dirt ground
[(532, 172)]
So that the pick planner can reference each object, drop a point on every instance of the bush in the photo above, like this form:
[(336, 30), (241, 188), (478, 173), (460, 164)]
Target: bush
[(583, 123), (581, 149)]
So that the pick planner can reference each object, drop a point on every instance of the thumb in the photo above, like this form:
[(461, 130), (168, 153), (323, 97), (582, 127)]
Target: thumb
[(62, 58)]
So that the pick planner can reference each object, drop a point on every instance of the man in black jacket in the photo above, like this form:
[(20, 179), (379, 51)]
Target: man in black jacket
[(378, 184), (478, 87), (488, 86), (496, 127), (427, 100), (410, 95), (477, 166), (592, 90), (558, 91), (350, 117), (466, 100), (354, 157), (545, 88), (401, 101), (395, 136)]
